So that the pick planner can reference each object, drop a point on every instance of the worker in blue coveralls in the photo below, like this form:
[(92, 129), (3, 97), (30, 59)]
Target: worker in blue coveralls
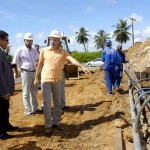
[(110, 57), (119, 68)]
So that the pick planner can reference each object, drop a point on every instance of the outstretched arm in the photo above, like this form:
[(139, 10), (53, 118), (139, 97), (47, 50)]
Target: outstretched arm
[(75, 62)]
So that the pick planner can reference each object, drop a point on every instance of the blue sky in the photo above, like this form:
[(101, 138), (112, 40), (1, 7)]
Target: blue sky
[(41, 16)]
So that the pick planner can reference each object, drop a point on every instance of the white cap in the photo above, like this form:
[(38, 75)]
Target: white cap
[(55, 33), (28, 36)]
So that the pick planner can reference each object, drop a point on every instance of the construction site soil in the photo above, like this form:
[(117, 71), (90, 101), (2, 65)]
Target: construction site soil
[(89, 123)]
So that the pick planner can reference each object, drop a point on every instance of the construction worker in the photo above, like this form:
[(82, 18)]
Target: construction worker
[(51, 63), (110, 57), (26, 58), (119, 68), (37, 47)]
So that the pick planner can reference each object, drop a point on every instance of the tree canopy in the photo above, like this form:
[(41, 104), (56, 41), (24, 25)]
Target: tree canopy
[(82, 37), (121, 33), (100, 39)]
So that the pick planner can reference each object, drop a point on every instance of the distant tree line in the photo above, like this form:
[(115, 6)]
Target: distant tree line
[(120, 34)]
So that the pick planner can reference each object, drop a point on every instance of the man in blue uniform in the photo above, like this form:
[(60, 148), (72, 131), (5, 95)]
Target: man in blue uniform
[(110, 57), (119, 68)]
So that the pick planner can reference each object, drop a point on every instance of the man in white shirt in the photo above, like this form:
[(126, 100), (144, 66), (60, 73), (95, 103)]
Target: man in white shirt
[(26, 58)]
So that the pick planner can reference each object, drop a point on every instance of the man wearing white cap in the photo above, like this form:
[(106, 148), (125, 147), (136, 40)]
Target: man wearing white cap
[(26, 58), (51, 63)]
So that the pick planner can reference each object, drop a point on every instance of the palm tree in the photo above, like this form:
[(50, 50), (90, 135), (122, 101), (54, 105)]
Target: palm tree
[(100, 39), (82, 37), (121, 33)]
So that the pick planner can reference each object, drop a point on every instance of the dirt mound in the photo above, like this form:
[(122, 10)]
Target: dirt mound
[(138, 55)]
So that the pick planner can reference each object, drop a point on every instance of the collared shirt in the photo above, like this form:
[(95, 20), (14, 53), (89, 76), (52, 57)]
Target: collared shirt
[(53, 63), (26, 58)]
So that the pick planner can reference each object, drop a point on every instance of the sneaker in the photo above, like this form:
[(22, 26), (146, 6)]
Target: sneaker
[(110, 94), (30, 114), (48, 130), (38, 111), (117, 88), (59, 127)]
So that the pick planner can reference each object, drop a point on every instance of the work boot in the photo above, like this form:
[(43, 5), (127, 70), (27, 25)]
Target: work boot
[(38, 111), (65, 107), (59, 127), (48, 130)]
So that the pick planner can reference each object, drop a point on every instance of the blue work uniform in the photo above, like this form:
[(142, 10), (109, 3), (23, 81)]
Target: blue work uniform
[(110, 57), (119, 69)]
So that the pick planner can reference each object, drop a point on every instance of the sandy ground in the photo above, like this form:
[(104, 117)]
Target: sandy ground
[(89, 123)]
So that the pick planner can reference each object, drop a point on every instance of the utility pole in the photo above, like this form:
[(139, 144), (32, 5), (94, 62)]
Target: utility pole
[(132, 30)]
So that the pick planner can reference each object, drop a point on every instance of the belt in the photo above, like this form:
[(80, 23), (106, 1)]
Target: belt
[(27, 70)]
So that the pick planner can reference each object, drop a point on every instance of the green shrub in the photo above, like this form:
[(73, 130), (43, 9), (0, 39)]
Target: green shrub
[(84, 57), (10, 57)]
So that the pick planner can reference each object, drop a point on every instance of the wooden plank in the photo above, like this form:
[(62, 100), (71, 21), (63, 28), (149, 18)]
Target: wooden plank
[(143, 75), (148, 75), (118, 143), (138, 75)]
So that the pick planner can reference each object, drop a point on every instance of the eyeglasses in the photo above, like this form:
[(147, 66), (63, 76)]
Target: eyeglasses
[(6, 40)]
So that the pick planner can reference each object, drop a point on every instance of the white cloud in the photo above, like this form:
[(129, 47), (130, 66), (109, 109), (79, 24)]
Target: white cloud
[(39, 36), (146, 31), (137, 18), (74, 28), (142, 35)]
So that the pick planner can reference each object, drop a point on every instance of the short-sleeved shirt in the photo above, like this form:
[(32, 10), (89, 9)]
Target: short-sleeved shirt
[(53, 62)]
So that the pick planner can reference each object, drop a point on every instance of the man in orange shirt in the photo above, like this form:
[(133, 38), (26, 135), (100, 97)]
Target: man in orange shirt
[(51, 63)]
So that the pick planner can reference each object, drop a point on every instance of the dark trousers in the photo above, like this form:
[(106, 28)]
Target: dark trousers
[(119, 77), (110, 79), (4, 114)]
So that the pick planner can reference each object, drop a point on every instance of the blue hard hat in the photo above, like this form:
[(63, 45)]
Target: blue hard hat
[(108, 42)]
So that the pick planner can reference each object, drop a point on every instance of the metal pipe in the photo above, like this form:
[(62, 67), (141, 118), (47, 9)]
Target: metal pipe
[(140, 90), (139, 113), (139, 82), (136, 136), (143, 94)]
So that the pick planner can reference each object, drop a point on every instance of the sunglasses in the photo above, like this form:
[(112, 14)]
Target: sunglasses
[(6, 40)]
